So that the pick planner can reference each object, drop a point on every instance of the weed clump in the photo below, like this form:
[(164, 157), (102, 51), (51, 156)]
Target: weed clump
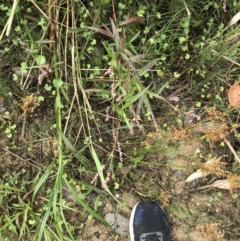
[(215, 167), (234, 181), (29, 103), (109, 73), (211, 231)]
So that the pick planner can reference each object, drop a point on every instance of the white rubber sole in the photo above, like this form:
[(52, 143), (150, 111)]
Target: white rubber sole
[(131, 223)]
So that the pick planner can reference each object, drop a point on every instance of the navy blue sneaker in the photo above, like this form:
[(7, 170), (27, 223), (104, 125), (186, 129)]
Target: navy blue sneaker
[(148, 222)]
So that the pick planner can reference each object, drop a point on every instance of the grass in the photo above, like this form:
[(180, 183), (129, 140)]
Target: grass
[(88, 112)]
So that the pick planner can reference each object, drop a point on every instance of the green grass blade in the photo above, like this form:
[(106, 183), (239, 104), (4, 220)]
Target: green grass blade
[(132, 100), (85, 206), (115, 35), (102, 31), (99, 167), (148, 67), (45, 218), (43, 179), (7, 188)]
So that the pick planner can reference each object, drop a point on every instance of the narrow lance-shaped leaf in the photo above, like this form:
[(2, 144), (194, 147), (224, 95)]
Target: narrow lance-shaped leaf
[(221, 184), (194, 176), (122, 113), (99, 167), (102, 31), (138, 57), (84, 204), (130, 20), (234, 19), (129, 63), (135, 37), (147, 67), (115, 35), (134, 98)]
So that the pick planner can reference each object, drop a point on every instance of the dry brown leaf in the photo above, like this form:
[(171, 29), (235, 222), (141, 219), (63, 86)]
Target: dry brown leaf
[(222, 184), (208, 127), (130, 20), (234, 19), (102, 31), (200, 173), (187, 9), (234, 94), (194, 176)]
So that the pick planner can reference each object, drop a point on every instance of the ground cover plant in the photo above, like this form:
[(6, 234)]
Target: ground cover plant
[(104, 103)]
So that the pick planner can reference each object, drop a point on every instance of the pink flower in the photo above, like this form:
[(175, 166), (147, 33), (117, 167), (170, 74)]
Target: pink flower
[(44, 72), (97, 174), (109, 71), (154, 120), (139, 125), (107, 114), (113, 90), (131, 129), (120, 151), (114, 135), (198, 117), (106, 180)]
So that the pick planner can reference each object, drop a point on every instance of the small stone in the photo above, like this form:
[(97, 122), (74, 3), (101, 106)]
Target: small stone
[(119, 223)]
